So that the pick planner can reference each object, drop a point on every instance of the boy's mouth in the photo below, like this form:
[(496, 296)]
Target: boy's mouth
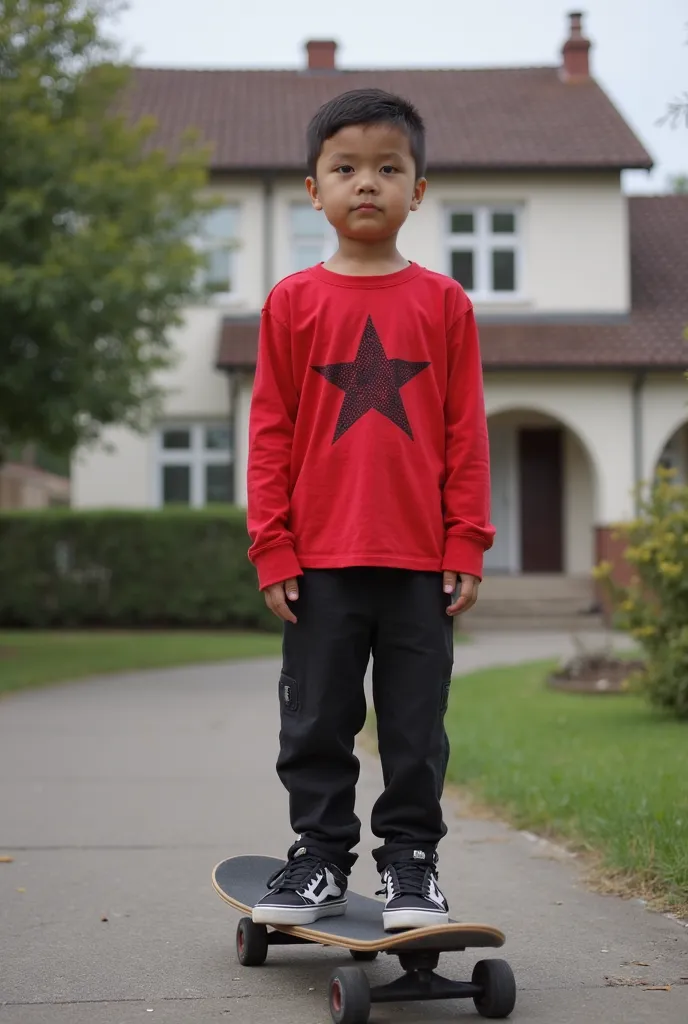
[(367, 206)]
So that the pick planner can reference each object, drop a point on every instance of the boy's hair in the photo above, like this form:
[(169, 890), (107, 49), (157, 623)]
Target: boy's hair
[(362, 107)]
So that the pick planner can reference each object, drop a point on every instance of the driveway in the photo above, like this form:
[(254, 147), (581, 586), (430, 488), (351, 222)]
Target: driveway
[(118, 796)]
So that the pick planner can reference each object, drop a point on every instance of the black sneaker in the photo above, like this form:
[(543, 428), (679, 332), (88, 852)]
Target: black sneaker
[(414, 899), (304, 890)]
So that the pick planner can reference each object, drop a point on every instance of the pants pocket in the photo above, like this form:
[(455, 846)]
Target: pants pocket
[(288, 694), (444, 699)]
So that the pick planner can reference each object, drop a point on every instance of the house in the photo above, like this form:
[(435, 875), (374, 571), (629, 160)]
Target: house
[(580, 294), (32, 479)]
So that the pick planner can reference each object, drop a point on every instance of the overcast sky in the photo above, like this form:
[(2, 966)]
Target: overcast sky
[(640, 53)]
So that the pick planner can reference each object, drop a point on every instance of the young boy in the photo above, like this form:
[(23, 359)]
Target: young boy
[(368, 496)]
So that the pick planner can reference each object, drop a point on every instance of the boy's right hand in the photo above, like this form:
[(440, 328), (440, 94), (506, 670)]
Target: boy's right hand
[(276, 599)]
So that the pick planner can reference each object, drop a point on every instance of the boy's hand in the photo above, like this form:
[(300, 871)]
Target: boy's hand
[(468, 594), (276, 599)]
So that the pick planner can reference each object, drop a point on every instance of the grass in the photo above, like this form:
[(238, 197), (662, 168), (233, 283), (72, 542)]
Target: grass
[(607, 774), (36, 659)]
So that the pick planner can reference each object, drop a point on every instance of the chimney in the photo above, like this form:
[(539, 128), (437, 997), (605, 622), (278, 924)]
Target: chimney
[(321, 54), (576, 52)]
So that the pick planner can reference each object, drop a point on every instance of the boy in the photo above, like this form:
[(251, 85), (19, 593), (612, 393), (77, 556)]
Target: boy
[(368, 496)]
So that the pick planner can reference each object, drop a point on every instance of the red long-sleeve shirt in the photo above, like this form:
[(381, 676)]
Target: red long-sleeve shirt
[(368, 439)]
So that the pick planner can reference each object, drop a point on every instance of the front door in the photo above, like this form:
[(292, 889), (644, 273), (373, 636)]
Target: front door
[(540, 455)]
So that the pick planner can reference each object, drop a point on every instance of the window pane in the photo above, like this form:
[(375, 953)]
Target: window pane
[(219, 270), (217, 439), (221, 223), (462, 269), (503, 223), (462, 223), (503, 270), (176, 439), (307, 221), (218, 484), (306, 255), (176, 485)]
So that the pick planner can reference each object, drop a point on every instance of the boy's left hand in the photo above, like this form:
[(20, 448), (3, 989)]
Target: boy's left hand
[(468, 594)]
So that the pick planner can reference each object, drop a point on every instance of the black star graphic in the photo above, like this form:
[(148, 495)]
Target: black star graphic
[(372, 381)]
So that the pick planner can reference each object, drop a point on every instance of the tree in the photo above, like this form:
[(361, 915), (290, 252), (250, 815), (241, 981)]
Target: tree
[(95, 259), (677, 111), (678, 183)]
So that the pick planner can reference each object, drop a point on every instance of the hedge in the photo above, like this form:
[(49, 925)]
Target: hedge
[(121, 569)]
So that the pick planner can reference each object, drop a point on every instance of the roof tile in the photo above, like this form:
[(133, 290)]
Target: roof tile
[(476, 118)]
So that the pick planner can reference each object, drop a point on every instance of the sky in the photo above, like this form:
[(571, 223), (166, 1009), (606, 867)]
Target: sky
[(639, 56)]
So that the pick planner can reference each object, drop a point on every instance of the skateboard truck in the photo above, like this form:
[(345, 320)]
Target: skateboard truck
[(492, 986)]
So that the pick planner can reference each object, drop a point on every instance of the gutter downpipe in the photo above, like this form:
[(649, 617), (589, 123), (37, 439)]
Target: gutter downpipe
[(637, 434)]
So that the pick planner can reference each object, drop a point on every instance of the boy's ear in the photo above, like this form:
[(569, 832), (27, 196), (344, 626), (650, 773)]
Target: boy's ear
[(418, 193), (312, 189)]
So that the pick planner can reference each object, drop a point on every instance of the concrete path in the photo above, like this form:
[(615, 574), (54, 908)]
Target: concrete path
[(118, 796)]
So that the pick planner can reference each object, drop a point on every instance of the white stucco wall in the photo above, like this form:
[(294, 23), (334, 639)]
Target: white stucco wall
[(579, 508), (116, 473), (575, 237), (665, 409)]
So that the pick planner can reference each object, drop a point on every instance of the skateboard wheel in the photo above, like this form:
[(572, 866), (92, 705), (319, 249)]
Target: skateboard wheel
[(251, 943), (498, 985), (349, 996), (364, 955)]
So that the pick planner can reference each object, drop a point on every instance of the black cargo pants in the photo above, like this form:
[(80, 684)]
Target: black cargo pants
[(344, 616)]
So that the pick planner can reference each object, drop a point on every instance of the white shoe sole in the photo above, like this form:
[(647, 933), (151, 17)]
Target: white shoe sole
[(400, 920), (265, 914)]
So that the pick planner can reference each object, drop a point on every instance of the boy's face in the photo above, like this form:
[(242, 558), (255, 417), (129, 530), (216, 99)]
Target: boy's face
[(366, 181)]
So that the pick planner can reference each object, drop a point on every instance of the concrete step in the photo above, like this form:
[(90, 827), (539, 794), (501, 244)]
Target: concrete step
[(538, 587), (475, 622)]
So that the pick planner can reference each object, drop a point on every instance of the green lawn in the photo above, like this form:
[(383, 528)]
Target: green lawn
[(608, 773), (35, 659)]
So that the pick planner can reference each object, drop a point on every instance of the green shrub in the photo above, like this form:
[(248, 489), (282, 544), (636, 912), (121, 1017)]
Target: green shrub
[(654, 607), (177, 567)]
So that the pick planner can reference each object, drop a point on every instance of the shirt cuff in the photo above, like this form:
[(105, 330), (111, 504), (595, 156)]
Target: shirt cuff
[(462, 554), (276, 564)]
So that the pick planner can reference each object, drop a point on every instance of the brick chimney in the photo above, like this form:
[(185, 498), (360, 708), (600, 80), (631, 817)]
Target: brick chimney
[(321, 54), (576, 52)]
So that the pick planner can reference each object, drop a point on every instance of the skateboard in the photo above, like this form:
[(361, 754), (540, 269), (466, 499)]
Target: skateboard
[(241, 882)]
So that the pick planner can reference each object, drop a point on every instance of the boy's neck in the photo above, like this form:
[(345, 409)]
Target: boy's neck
[(366, 259)]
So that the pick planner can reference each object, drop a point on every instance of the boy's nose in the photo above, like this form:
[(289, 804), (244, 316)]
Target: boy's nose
[(366, 184)]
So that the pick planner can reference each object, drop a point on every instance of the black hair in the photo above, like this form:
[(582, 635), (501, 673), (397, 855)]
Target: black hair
[(366, 106)]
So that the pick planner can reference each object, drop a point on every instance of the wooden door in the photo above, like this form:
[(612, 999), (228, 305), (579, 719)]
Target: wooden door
[(541, 499)]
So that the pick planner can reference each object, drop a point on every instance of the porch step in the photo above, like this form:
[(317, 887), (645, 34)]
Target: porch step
[(479, 622), (543, 602)]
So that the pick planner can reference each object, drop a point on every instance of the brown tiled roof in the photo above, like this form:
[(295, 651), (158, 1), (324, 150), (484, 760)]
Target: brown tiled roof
[(476, 118), (652, 336)]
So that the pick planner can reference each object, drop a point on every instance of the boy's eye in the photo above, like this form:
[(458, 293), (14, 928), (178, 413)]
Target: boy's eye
[(344, 169), (388, 169)]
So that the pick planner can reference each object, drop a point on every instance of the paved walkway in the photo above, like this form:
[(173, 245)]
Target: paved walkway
[(118, 796)]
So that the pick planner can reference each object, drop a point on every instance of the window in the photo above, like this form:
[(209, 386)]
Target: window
[(485, 250), (195, 464), (313, 239), (219, 234)]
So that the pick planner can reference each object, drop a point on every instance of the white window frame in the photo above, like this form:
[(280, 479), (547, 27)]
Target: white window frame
[(482, 242), (329, 237), (196, 456), (206, 244)]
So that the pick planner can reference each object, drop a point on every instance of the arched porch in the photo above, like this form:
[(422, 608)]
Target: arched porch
[(544, 496)]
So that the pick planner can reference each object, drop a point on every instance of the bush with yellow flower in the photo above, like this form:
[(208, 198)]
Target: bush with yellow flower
[(653, 608)]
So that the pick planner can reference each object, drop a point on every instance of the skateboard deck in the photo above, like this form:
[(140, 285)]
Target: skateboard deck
[(241, 882)]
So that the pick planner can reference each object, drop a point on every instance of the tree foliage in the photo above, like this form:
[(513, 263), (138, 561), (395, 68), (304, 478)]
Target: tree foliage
[(95, 259)]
